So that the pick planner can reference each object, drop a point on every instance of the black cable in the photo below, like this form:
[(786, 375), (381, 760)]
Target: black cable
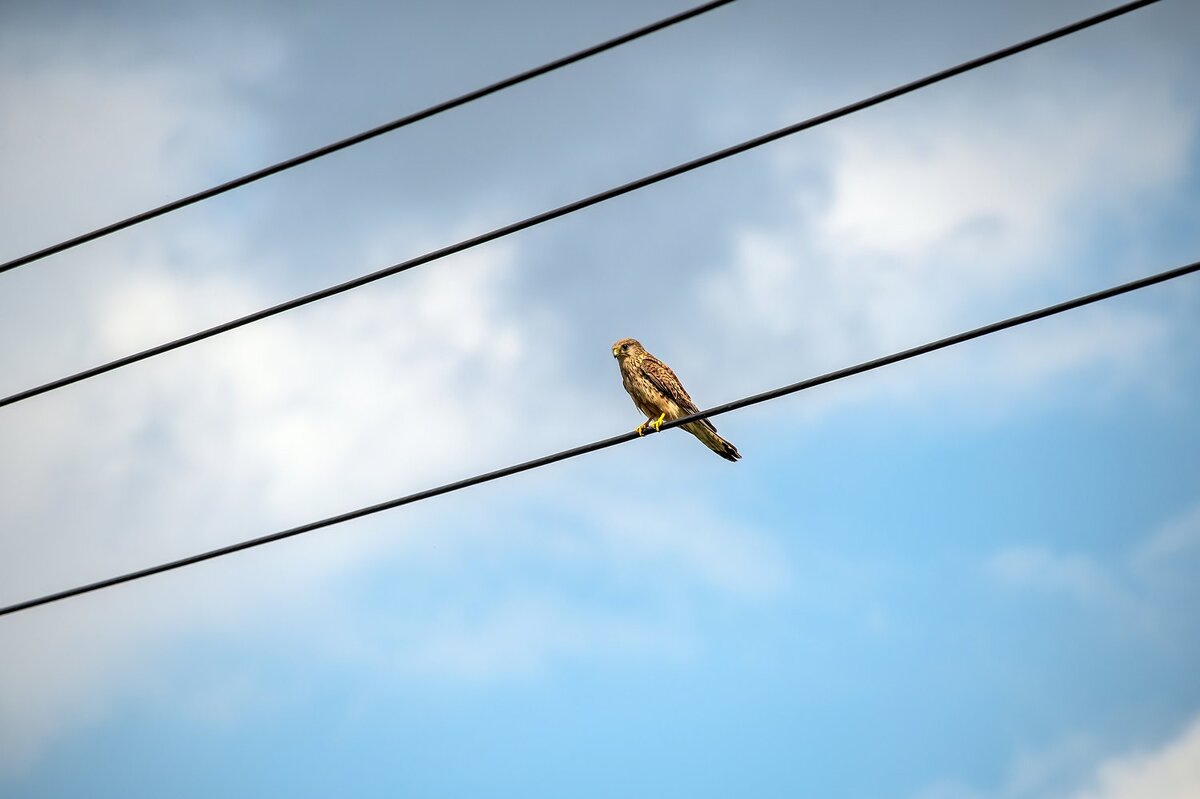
[(358, 138), (594, 199), (546, 460)]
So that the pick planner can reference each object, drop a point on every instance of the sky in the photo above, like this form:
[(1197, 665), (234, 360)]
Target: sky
[(969, 576)]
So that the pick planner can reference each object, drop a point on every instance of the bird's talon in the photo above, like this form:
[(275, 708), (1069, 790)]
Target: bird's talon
[(658, 423), (641, 428)]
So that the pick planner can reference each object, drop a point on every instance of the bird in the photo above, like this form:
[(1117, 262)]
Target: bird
[(657, 392)]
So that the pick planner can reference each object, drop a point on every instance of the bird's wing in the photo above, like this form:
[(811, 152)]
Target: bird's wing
[(663, 379)]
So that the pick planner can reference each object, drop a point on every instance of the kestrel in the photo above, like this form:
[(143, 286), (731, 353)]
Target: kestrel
[(656, 392)]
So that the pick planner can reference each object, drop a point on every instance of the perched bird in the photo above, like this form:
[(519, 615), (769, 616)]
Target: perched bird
[(656, 392)]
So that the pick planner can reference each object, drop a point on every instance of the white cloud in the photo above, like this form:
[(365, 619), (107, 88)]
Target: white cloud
[(1076, 769), (1076, 576), (1149, 589), (310, 414), (112, 127), (1006, 173), (258, 433), (932, 222), (525, 636), (273, 417), (1177, 537), (662, 555), (673, 534), (301, 416), (1170, 772)]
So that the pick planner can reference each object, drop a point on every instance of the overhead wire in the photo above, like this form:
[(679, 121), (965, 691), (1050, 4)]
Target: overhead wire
[(366, 135), (577, 205), (546, 460)]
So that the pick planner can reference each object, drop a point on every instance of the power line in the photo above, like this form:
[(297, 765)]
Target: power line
[(849, 371), (359, 138), (577, 205)]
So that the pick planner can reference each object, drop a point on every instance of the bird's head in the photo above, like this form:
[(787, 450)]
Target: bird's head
[(626, 347)]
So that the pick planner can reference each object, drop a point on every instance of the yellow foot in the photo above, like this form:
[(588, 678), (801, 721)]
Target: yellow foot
[(641, 428), (658, 423)]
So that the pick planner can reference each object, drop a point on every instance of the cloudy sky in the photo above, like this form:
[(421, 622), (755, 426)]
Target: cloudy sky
[(972, 576)]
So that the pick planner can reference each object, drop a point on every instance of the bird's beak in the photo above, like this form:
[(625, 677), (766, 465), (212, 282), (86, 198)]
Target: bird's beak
[(614, 352)]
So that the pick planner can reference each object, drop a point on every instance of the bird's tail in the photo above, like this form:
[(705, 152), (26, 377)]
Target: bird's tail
[(707, 433)]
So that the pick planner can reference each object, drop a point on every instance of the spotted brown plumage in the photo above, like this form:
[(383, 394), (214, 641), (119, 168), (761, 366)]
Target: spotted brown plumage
[(657, 393)]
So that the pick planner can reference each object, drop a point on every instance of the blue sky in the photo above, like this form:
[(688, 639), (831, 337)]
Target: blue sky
[(971, 576)]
